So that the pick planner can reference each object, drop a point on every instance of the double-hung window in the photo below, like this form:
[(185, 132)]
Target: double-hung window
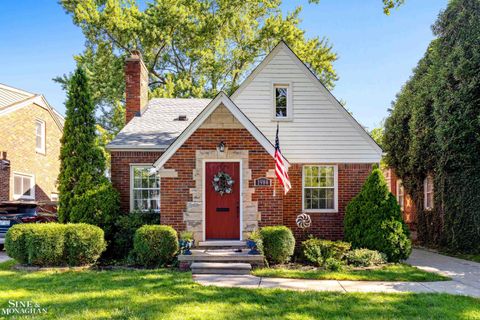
[(428, 193), (40, 136), (400, 194), (282, 101), (145, 188), (23, 186), (320, 188)]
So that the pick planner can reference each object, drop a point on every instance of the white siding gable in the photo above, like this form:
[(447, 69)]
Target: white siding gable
[(321, 130)]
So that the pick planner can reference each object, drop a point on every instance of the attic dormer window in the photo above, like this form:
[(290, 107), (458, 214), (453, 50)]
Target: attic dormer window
[(182, 118), (282, 101)]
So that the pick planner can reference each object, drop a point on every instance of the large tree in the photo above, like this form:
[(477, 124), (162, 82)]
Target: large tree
[(434, 130), (191, 48), (82, 162)]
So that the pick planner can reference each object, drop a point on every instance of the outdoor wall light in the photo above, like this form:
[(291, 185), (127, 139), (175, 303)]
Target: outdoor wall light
[(221, 147)]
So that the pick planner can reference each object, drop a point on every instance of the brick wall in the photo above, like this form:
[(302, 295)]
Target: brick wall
[(120, 171), (325, 225), (274, 210), (409, 211), (136, 86), (18, 140)]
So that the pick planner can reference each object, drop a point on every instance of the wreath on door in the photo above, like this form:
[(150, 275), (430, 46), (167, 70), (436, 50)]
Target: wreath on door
[(222, 183)]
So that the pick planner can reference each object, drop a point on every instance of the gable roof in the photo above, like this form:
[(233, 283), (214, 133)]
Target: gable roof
[(308, 72), (220, 99), (158, 126), (12, 99)]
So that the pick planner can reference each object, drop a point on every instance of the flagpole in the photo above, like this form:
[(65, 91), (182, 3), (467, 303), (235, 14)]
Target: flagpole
[(275, 178)]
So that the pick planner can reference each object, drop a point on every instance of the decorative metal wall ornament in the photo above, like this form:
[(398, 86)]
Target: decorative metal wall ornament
[(222, 183), (303, 221)]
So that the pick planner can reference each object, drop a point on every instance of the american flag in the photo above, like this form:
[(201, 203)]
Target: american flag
[(281, 166)]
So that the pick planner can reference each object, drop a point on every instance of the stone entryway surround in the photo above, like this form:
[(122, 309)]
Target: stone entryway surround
[(194, 213)]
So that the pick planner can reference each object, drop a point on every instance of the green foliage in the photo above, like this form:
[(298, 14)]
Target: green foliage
[(155, 245), (332, 264), (433, 130), (388, 5), (278, 243), (186, 235), (99, 206), (318, 251), (53, 244), (84, 243), (257, 237), (125, 227), (82, 164), (365, 258), (373, 220)]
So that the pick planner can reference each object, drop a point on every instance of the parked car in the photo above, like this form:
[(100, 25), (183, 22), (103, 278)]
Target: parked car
[(14, 213)]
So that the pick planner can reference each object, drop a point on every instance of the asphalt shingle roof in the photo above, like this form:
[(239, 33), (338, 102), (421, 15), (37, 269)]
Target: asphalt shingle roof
[(159, 126)]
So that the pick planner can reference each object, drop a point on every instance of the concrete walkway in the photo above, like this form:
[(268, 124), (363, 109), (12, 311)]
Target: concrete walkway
[(465, 275), (3, 256)]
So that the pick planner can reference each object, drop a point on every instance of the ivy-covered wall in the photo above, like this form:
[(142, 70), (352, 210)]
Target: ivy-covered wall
[(434, 129)]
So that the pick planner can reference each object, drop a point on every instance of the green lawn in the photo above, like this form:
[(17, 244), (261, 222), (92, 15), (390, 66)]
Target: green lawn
[(164, 294), (397, 272)]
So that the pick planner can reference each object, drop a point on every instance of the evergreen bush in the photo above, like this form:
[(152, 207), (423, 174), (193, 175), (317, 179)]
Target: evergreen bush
[(278, 243), (373, 220), (155, 246), (317, 251)]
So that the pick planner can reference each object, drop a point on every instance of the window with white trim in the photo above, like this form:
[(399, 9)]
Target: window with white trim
[(320, 188), (23, 186), (428, 193), (282, 101), (145, 189), (400, 194), (40, 136)]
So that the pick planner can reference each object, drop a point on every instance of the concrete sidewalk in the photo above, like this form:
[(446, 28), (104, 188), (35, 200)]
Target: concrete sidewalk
[(465, 275)]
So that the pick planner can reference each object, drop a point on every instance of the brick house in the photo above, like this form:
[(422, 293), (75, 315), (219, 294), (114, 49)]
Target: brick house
[(29, 147), (171, 151)]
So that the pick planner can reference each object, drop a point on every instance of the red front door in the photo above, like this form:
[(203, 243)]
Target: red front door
[(222, 212)]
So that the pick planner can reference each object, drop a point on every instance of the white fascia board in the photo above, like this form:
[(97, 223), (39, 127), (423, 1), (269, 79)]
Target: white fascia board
[(221, 98)]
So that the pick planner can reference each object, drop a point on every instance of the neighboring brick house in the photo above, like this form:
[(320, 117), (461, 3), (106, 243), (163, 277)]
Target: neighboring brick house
[(171, 151), (405, 200), (29, 147)]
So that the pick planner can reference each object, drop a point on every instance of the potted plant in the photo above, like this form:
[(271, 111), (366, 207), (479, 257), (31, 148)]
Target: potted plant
[(254, 243), (186, 242)]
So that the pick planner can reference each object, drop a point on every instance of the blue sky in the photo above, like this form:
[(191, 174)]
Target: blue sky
[(376, 52)]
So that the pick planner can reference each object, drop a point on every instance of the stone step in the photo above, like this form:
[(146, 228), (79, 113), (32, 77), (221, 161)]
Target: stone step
[(220, 268), (221, 244), (222, 255)]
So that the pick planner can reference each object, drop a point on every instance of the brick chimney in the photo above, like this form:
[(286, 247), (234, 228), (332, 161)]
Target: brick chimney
[(136, 86)]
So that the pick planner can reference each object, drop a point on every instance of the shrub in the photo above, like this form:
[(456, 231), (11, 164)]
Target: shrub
[(373, 220), (186, 235), (332, 264), (257, 237), (278, 243), (84, 244), (318, 251), (365, 258), (124, 231), (54, 244), (155, 245), (99, 206)]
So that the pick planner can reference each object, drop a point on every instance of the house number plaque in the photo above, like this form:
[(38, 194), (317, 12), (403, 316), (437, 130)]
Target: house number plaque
[(263, 182)]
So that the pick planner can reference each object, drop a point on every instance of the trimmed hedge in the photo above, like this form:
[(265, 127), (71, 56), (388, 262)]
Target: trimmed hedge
[(278, 244), (54, 244), (318, 251), (155, 245)]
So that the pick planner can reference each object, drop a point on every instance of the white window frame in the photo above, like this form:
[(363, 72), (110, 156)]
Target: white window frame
[(289, 87), (42, 148), (145, 166), (425, 193), (335, 190), (400, 187), (32, 186)]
